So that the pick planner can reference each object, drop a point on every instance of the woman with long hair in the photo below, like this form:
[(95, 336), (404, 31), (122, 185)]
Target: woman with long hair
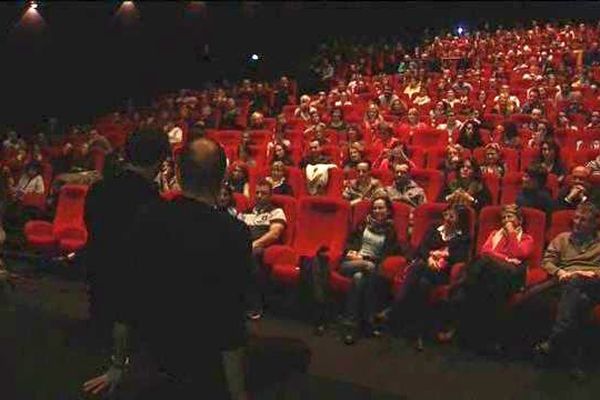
[(467, 188)]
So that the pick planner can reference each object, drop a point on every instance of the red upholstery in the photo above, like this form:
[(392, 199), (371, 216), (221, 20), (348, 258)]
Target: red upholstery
[(430, 180), (493, 184), (321, 221), (534, 223), (559, 222), (430, 138), (225, 137), (511, 186), (242, 203), (68, 229)]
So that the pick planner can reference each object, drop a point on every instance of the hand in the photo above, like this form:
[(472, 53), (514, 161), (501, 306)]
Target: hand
[(564, 275), (255, 245), (586, 274), (433, 263), (109, 380), (515, 261), (509, 227)]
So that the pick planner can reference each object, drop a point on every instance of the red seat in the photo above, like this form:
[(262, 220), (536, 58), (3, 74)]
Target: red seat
[(511, 186), (242, 203), (320, 221), (225, 137), (335, 184), (430, 138), (582, 157), (430, 180), (534, 223), (559, 222), (389, 269), (67, 231), (493, 184)]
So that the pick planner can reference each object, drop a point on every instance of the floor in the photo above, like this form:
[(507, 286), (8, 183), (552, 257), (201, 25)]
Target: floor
[(42, 357)]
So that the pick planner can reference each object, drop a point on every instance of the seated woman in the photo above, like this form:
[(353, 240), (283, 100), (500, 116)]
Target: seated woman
[(397, 108), (449, 165), (443, 246), (372, 118), (226, 201), (337, 122), (281, 154), (277, 180), (422, 98), (469, 136), (371, 243), (498, 272), (549, 159), (492, 162), (31, 182), (543, 132), (467, 188), (230, 114), (243, 151), (238, 178), (355, 157), (397, 154), (257, 121), (166, 178)]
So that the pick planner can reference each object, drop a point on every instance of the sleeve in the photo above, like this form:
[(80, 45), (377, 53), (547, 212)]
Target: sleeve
[(428, 243), (552, 256), (38, 187), (459, 249), (354, 241), (277, 216)]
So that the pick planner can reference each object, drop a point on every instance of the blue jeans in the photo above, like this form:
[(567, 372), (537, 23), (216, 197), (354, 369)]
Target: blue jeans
[(360, 302)]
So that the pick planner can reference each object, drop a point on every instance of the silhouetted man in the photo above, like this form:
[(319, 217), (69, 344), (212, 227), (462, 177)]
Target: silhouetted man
[(110, 209)]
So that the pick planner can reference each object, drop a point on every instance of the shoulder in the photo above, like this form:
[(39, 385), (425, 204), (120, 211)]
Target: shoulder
[(561, 238)]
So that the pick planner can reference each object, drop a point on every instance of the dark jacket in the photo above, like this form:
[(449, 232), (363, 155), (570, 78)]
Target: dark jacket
[(538, 199), (459, 246), (390, 245)]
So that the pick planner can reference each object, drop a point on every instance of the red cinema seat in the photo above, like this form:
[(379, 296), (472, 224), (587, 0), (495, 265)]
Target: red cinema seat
[(582, 157), (430, 138), (335, 184), (67, 231), (320, 221), (417, 156), (534, 223), (560, 222), (430, 180), (424, 217), (511, 186), (242, 203), (436, 155), (493, 184), (225, 137), (510, 157)]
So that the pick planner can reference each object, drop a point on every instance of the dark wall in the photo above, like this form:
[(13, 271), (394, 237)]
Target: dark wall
[(86, 60)]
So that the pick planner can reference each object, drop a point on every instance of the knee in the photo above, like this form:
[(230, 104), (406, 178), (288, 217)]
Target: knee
[(357, 277)]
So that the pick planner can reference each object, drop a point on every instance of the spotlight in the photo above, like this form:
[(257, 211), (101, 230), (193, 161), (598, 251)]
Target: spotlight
[(254, 57), (460, 30), (33, 5)]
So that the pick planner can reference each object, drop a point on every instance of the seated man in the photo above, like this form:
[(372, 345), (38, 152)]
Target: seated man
[(316, 166), (533, 190), (576, 191), (363, 187), (404, 189), (573, 259), (267, 224)]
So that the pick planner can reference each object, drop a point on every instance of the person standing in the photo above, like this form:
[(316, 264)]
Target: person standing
[(110, 208)]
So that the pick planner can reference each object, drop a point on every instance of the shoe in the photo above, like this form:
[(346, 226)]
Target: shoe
[(445, 336), (319, 330), (419, 346), (542, 348), (254, 315), (349, 339)]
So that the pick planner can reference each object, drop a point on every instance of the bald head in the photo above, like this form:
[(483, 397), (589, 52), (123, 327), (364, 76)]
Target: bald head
[(202, 166), (580, 175)]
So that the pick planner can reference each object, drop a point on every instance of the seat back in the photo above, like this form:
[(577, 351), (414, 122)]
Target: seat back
[(401, 216), (560, 222), (242, 203), (70, 208), (321, 221), (431, 213), (430, 180), (511, 185), (534, 223), (430, 138)]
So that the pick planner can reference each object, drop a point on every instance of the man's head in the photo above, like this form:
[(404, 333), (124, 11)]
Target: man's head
[(401, 174), (534, 178), (580, 175), (147, 148), (202, 167), (585, 219), (536, 114), (264, 191), (314, 148), (363, 171)]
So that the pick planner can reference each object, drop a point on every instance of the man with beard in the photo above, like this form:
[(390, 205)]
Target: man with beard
[(404, 188)]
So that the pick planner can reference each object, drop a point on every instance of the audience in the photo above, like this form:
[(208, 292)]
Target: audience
[(468, 187), (364, 187), (534, 193), (404, 188)]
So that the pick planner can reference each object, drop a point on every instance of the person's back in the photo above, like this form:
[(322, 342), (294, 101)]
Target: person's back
[(194, 263), (110, 210)]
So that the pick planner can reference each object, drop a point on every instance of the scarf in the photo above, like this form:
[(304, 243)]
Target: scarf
[(380, 228)]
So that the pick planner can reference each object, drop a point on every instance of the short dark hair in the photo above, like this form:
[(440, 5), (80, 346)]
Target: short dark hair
[(538, 173), (202, 166), (590, 208), (147, 147)]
